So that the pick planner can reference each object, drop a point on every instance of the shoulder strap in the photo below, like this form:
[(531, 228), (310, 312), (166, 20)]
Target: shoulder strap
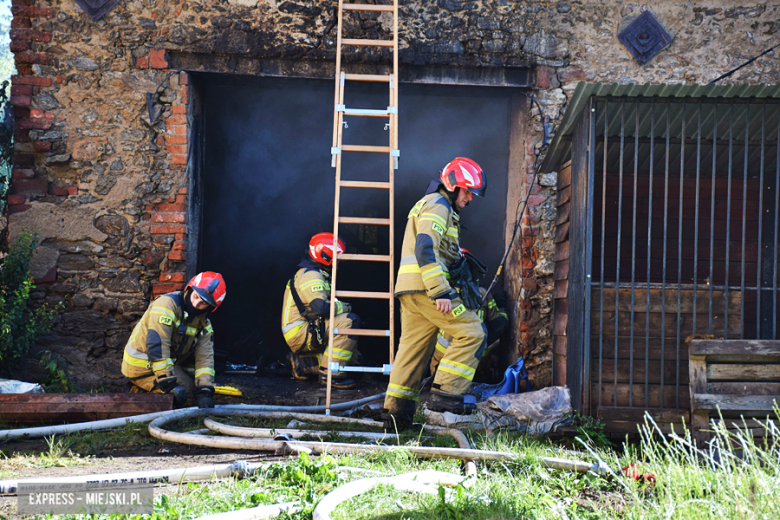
[(297, 299)]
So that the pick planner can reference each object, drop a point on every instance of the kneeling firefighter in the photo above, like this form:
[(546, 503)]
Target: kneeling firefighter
[(430, 254), (175, 333), (306, 313)]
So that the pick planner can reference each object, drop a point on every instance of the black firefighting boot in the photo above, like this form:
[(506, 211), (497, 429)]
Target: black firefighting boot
[(342, 383), (441, 402), (303, 367), (398, 422)]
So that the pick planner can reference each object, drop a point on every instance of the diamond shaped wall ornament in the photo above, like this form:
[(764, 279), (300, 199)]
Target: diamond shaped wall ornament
[(95, 9), (644, 37)]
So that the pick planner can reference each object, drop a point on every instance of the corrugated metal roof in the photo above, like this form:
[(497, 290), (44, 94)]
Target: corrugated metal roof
[(560, 148)]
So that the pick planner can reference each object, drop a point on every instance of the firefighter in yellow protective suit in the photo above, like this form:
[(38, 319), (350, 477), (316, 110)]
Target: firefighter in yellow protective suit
[(306, 314), (429, 303), (173, 333), (493, 315)]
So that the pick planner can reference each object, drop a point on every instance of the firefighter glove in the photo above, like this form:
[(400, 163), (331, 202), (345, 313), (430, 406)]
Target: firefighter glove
[(167, 384), (204, 396), (179, 394)]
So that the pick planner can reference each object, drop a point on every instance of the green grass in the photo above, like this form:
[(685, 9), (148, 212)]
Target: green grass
[(741, 480), (58, 454)]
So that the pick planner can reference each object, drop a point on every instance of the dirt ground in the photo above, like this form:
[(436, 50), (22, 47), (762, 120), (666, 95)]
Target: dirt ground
[(255, 389)]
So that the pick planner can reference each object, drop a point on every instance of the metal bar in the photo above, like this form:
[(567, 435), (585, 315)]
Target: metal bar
[(666, 236), (710, 279), (671, 100), (617, 270), (777, 208), (601, 275), (728, 221), (760, 222), (744, 226), (633, 260), (589, 250), (649, 234), (696, 218), (679, 269)]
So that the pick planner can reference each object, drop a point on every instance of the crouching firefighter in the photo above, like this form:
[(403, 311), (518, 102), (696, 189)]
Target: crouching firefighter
[(306, 313), (429, 303), (175, 333)]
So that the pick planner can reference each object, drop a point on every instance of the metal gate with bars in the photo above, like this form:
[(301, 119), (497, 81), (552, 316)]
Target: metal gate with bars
[(673, 232)]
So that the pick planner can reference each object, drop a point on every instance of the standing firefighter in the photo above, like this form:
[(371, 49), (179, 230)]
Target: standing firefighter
[(493, 315), (173, 333), (306, 313), (429, 303)]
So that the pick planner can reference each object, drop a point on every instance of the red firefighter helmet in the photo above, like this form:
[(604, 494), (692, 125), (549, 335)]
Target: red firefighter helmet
[(210, 286), (462, 172), (321, 248)]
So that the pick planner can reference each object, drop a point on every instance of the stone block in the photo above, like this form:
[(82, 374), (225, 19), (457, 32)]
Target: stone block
[(157, 59)]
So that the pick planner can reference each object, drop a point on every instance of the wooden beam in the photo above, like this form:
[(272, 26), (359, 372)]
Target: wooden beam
[(72, 408), (757, 403), (735, 346)]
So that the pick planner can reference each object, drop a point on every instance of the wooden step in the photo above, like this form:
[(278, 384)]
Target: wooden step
[(376, 78), (368, 7), (365, 220), (364, 148), (367, 43), (364, 294), (366, 112), (365, 258), (361, 332), (366, 184)]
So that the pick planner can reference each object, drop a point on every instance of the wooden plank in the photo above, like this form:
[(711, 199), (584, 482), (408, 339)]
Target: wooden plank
[(560, 289), (743, 372), (735, 346), (564, 195), (364, 258), (364, 148), (639, 370), (561, 251), (366, 184), (637, 414), (562, 233), (561, 306), (559, 345), (368, 7), (559, 327), (631, 427), (374, 78), (624, 347), (561, 270), (758, 403), (71, 408), (669, 301), (563, 213), (654, 395), (560, 370), (564, 176), (669, 320), (742, 388)]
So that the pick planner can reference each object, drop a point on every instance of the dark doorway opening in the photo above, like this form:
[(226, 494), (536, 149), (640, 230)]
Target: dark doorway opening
[(268, 186)]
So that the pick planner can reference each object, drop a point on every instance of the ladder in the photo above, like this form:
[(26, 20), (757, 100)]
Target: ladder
[(337, 150)]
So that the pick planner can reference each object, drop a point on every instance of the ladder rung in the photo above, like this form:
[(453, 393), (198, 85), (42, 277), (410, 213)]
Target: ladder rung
[(368, 7), (365, 258), (365, 220), (365, 184), (363, 148), (368, 77), (362, 332), (364, 294), (367, 43), (365, 112)]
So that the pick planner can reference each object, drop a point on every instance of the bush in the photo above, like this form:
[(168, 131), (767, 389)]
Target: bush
[(20, 326)]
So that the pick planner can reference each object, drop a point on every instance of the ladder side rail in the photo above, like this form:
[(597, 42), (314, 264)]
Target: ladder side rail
[(392, 161), (337, 137)]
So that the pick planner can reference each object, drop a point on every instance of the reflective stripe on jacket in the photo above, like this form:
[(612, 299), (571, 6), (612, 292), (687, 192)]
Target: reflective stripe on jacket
[(311, 285), (431, 245), (163, 336)]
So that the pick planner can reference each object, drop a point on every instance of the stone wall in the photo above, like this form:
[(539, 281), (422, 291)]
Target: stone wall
[(104, 184)]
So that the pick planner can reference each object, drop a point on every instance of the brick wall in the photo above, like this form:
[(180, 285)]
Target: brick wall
[(105, 187)]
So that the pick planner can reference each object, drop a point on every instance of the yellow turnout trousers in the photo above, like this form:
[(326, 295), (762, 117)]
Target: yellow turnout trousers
[(420, 323), (343, 346)]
